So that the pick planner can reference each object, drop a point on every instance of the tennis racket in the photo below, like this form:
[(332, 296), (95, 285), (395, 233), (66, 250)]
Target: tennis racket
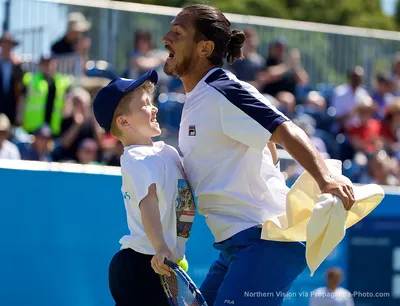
[(180, 289)]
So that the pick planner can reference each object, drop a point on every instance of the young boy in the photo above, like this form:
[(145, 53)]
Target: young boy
[(159, 203)]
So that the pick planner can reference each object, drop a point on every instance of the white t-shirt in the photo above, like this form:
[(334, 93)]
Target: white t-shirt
[(159, 164), (223, 136), (344, 100), (323, 297), (8, 150)]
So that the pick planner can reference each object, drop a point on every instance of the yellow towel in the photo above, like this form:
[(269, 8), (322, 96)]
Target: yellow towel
[(320, 219)]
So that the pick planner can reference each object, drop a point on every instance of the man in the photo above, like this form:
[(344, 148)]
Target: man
[(77, 125), (10, 78), (38, 150), (225, 127), (332, 294), (45, 97), (77, 26), (346, 97), (8, 150), (253, 63), (280, 76), (396, 74)]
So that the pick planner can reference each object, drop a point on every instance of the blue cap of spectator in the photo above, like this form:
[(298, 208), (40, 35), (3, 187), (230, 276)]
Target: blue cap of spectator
[(43, 131), (108, 98), (279, 41)]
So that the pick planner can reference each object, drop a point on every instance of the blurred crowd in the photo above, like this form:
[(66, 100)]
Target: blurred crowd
[(45, 116)]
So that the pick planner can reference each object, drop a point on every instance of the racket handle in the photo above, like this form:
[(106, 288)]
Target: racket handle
[(169, 262)]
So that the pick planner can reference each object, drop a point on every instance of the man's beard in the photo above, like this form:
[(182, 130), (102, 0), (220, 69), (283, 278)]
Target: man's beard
[(179, 70)]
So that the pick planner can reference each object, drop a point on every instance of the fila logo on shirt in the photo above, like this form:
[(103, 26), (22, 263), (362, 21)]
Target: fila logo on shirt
[(192, 130)]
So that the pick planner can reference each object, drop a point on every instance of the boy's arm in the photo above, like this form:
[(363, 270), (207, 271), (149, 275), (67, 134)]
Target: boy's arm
[(274, 152), (150, 214)]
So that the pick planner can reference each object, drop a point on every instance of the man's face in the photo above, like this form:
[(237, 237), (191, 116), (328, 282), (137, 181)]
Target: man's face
[(48, 67), (357, 76), (182, 47), (41, 143), (75, 35), (87, 153), (6, 47), (278, 51), (357, 79)]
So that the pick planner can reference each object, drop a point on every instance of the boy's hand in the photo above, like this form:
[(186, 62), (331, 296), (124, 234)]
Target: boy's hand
[(157, 262)]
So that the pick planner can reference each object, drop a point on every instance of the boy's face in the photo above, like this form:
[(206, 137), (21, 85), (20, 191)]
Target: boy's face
[(142, 117)]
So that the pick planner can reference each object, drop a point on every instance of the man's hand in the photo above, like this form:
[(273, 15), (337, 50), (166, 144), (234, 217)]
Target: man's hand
[(79, 118), (343, 191), (157, 262)]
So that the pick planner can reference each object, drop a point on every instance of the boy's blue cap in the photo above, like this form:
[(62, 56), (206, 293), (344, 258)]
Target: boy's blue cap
[(108, 98)]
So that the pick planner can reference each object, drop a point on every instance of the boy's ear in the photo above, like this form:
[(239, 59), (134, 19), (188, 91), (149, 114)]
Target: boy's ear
[(121, 121)]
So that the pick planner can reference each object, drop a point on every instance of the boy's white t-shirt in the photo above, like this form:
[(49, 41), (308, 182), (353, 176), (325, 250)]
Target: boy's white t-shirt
[(160, 164)]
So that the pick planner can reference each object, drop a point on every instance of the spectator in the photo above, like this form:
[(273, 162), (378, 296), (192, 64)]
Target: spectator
[(315, 102), (308, 124), (78, 125), (70, 42), (315, 105), (112, 156), (38, 150), (143, 57), (8, 150), (253, 63), (45, 97), (381, 170), (87, 153), (396, 74), (280, 76), (391, 128), (286, 103), (332, 294), (346, 96), (10, 78), (365, 131), (383, 92)]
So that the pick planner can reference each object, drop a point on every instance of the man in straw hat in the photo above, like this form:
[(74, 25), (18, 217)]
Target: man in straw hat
[(77, 26), (10, 78), (8, 150)]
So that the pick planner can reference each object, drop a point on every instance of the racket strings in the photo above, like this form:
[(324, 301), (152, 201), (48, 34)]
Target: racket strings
[(181, 294)]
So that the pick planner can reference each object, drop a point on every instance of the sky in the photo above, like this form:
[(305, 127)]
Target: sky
[(389, 6)]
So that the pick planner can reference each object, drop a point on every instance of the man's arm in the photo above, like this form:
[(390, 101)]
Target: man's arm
[(151, 219), (300, 147)]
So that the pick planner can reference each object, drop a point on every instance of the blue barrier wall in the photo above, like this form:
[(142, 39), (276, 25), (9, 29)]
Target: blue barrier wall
[(58, 232)]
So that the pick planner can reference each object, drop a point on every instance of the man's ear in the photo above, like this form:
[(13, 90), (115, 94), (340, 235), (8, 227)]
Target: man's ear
[(206, 48)]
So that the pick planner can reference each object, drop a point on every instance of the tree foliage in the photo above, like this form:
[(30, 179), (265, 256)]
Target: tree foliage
[(397, 16), (358, 13)]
